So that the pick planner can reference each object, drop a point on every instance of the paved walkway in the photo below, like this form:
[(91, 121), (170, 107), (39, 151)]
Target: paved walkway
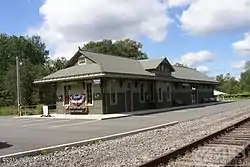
[(69, 116), (24, 133), (112, 116)]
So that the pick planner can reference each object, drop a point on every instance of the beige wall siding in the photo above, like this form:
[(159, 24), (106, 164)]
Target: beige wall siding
[(77, 87), (59, 104)]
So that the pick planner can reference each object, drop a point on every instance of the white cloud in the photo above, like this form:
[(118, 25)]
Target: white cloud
[(209, 16), (240, 65), (178, 3), (203, 69), (67, 23), (195, 58), (243, 46)]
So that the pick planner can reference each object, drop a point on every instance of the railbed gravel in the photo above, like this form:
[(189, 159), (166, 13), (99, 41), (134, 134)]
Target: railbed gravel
[(134, 149), (207, 155)]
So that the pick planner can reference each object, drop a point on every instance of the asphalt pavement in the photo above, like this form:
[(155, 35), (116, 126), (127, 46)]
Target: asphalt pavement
[(22, 134)]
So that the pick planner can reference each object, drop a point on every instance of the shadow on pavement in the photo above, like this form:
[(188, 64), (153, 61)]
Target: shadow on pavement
[(5, 145)]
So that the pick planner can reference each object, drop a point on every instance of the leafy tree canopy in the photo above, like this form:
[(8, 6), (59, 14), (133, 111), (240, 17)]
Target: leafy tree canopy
[(34, 63), (124, 48)]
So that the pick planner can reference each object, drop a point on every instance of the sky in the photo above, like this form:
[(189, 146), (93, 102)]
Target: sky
[(209, 35)]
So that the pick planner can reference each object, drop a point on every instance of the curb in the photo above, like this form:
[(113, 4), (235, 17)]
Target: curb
[(139, 114), (180, 108), (50, 149), (123, 116), (167, 110)]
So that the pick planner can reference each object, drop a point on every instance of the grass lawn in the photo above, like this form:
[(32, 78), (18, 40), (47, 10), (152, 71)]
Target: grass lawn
[(12, 110), (5, 111)]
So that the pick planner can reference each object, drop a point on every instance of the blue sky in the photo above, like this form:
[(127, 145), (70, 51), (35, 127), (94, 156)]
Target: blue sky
[(175, 29)]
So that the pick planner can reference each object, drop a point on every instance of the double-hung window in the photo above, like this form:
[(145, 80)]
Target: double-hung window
[(66, 94), (168, 92), (113, 94), (89, 93), (142, 95), (160, 96)]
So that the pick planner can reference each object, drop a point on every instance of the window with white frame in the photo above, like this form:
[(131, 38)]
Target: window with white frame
[(89, 93), (142, 96), (160, 94), (113, 93), (151, 92), (168, 92), (66, 94), (81, 61)]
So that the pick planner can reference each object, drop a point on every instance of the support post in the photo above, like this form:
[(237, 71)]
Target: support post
[(18, 86)]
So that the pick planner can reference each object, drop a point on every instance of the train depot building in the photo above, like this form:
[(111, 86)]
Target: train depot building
[(106, 84)]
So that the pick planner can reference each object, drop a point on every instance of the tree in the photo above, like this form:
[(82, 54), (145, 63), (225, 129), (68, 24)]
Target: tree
[(32, 53), (124, 48), (47, 92), (245, 81), (228, 84)]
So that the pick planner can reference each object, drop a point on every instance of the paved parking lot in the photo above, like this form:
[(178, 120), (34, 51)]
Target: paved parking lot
[(21, 134)]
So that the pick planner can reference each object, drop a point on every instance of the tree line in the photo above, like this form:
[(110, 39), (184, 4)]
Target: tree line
[(231, 85), (35, 63)]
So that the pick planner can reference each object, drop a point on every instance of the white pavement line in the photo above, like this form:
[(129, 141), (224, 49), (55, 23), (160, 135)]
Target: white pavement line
[(45, 122), (180, 111), (6, 121), (14, 122), (24, 122), (46, 150), (31, 120), (71, 124)]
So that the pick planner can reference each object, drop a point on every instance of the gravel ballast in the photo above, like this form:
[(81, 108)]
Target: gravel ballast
[(135, 149)]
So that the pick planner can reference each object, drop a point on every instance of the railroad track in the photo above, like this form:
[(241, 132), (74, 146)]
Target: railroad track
[(227, 147)]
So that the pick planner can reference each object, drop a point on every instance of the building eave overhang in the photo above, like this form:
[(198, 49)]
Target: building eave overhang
[(69, 78), (195, 81), (120, 75)]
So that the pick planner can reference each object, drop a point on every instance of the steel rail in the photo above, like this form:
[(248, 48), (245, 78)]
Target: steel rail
[(164, 159)]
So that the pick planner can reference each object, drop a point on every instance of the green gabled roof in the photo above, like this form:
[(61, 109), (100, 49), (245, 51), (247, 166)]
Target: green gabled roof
[(153, 64), (116, 64), (76, 71), (150, 64), (107, 64), (186, 73)]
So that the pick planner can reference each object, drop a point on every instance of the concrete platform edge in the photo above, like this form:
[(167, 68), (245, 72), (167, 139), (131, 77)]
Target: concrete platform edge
[(50, 149), (179, 108)]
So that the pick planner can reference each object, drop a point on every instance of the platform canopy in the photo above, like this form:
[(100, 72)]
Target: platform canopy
[(217, 93)]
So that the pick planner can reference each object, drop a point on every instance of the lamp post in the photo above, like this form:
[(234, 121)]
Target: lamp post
[(18, 86)]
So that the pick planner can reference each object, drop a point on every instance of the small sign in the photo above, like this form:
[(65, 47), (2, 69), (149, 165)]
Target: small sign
[(97, 81), (45, 111)]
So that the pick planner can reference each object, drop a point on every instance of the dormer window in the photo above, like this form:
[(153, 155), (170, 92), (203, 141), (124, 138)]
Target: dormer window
[(81, 61)]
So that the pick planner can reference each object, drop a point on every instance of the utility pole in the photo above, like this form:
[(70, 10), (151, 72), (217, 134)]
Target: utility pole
[(18, 85)]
